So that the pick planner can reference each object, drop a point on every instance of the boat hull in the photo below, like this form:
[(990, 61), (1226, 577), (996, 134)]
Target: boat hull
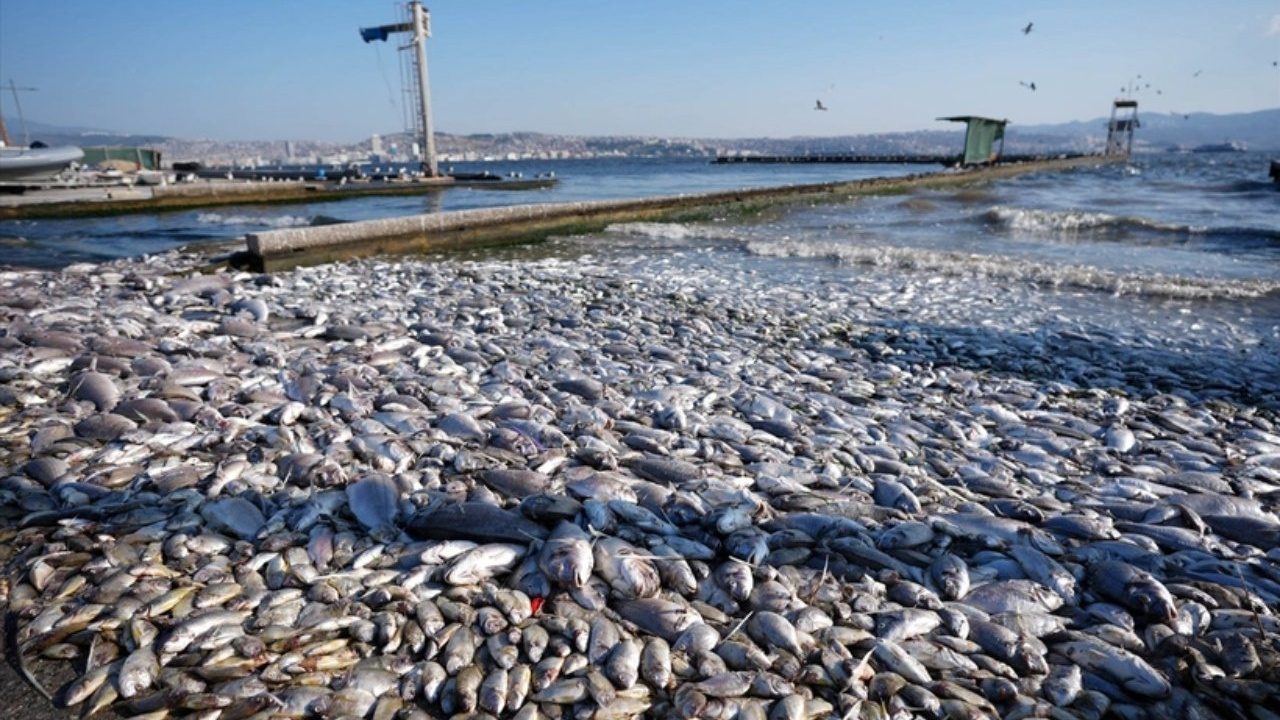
[(25, 164)]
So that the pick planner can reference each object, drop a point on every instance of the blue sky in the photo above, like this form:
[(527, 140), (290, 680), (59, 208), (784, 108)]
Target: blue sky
[(277, 69)]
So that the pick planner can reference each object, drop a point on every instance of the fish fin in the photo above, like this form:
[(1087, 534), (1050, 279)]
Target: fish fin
[(16, 657)]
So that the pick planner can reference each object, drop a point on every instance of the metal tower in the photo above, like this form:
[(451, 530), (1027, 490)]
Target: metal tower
[(419, 23), (1124, 119)]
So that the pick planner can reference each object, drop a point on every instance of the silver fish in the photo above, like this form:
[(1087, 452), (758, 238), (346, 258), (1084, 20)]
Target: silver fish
[(627, 571), (950, 576), (483, 562), (374, 500), (566, 556)]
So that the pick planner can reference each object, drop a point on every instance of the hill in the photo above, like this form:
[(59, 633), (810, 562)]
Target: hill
[(1258, 130), (1157, 132)]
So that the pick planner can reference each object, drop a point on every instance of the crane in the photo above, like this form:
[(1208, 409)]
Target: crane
[(419, 25)]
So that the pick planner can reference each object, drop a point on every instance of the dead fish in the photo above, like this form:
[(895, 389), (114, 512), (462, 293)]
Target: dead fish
[(664, 618), (587, 388), (493, 691), (667, 471), (1134, 588), (893, 494), (1008, 646), (1013, 596), (484, 562), (1120, 666), (892, 657), (97, 388), (641, 517), (1045, 570), (566, 556), (477, 521), (627, 571), (1063, 685), (772, 630), (138, 672), (912, 533), (898, 625), (515, 482), (234, 515), (655, 663), (374, 500), (622, 665), (464, 426), (950, 576)]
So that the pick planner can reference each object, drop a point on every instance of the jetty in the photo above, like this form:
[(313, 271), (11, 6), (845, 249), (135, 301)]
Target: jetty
[(944, 160), (983, 146), (106, 200), (282, 249)]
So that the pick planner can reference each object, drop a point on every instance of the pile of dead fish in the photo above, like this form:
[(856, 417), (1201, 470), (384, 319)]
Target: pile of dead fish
[(402, 490)]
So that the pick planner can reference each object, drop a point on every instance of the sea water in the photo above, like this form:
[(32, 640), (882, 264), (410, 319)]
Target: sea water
[(1148, 238)]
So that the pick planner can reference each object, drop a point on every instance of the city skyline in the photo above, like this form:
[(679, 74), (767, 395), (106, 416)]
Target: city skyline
[(289, 69)]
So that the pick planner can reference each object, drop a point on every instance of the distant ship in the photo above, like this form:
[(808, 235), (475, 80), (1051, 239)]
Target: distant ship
[(1231, 146)]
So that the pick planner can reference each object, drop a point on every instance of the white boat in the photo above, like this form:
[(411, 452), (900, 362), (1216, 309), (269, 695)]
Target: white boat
[(36, 163)]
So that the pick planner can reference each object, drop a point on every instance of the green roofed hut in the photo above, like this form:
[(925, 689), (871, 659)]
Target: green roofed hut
[(980, 138), (142, 158)]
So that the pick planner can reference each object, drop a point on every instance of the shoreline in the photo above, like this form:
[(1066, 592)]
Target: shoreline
[(866, 401)]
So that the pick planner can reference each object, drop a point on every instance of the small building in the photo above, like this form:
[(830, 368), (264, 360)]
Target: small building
[(980, 138), (139, 157)]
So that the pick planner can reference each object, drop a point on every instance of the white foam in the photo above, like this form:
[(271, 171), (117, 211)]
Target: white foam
[(678, 232), (281, 221), (999, 267), (1069, 221)]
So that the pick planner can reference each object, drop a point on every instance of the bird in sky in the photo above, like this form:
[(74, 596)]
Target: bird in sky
[(1027, 30), (1196, 73), (1031, 85), (819, 106)]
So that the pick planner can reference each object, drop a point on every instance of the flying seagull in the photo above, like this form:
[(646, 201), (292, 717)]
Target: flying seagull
[(1196, 73), (1027, 84), (1027, 30), (819, 106)]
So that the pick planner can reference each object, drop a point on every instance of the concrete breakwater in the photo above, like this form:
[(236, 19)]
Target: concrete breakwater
[(280, 249), (107, 200)]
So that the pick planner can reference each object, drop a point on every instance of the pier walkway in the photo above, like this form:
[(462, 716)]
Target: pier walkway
[(944, 160)]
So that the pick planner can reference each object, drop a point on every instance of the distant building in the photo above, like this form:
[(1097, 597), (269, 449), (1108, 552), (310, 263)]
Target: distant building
[(288, 149), (375, 144)]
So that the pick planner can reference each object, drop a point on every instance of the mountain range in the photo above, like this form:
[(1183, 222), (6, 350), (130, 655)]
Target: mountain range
[(1257, 130), (1157, 132)]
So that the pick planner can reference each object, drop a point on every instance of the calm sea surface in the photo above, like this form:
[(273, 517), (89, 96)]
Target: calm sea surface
[(1195, 234)]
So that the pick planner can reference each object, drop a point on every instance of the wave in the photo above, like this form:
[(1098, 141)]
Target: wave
[(996, 267), (669, 233), (1049, 222), (1056, 221), (282, 221)]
